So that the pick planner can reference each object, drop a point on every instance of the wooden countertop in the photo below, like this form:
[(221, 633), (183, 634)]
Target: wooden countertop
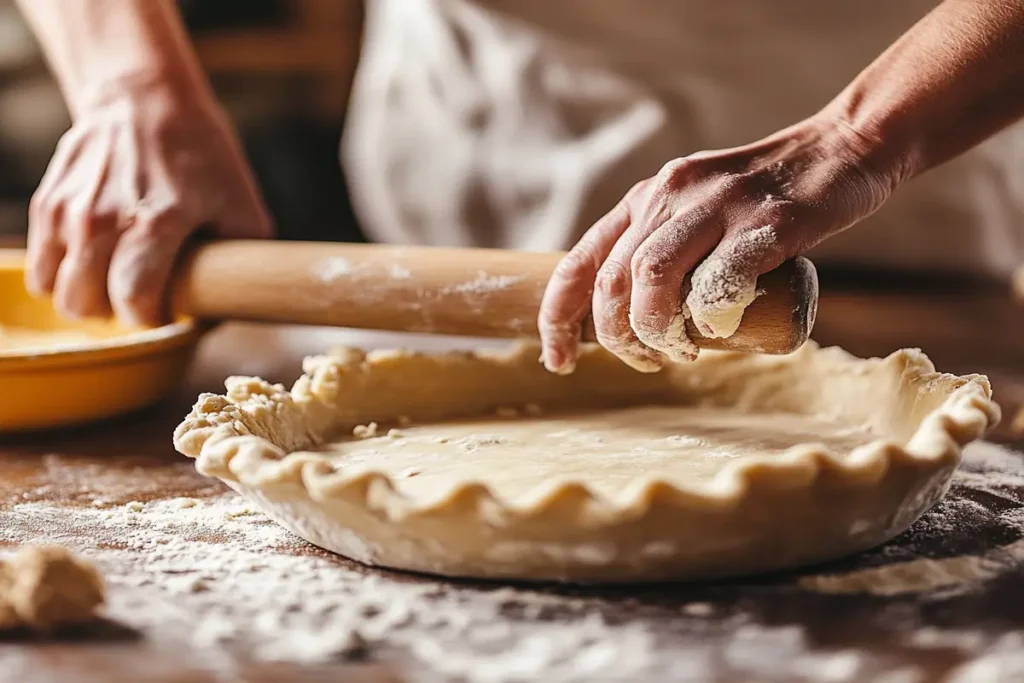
[(204, 589)]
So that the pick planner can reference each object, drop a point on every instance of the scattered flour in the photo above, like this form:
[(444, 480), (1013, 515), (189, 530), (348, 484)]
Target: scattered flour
[(254, 586), (399, 272), (477, 441), (689, 441), (485, 283), (1003, 660), (335, 268), (918, 576), (196, 576)]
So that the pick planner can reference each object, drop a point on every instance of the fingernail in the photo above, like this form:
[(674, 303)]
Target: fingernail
[(553, 361), (642, 359), (563, 369)]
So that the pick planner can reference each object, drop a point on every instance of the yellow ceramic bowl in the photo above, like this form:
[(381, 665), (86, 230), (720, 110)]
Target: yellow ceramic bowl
[(57, 373)]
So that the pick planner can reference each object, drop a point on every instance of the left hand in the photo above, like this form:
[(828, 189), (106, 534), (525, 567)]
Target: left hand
[(727, 216)]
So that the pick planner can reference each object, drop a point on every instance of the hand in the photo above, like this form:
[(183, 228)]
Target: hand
[(127, 185), (727, 216)]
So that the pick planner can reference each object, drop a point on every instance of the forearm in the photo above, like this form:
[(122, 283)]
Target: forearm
[(946, 85), (100, 48)]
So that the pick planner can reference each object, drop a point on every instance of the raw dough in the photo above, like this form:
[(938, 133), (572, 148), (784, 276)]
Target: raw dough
[(727, 465), (44, 588), (684, 446)]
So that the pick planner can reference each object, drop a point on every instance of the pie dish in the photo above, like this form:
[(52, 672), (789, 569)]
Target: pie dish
[(58, 373), (485, 465)]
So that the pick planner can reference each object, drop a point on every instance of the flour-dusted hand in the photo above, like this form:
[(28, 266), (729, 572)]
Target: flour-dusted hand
[(947, 84), (150, 159), (724, 216), (127, 185)]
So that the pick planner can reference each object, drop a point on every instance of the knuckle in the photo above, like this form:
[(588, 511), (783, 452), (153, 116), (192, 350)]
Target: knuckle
[(612, 280), (43, 212), (574, 265), (653, 267), (637, 191), (731, 185), (40, 203), (678, 172), (156, 224)]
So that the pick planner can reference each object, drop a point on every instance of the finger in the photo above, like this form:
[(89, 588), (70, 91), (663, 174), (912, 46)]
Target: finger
[(611, 319), (45, 244), (567, 297), (140, 268), (90, 233), (725, 283), (65, 154), (613, 291), (45, 248), (80, 289), (659, 267)]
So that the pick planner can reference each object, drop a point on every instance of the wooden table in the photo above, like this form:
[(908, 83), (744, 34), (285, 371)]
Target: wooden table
[(203, 589)]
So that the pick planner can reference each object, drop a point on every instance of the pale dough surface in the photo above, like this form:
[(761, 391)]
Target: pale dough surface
[(486, 465), (608, 448)]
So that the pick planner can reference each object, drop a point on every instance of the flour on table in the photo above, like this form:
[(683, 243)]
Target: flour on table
[(249, 583), (920, 575)]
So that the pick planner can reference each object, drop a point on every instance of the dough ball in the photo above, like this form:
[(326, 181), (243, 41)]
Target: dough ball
[(45, 588)]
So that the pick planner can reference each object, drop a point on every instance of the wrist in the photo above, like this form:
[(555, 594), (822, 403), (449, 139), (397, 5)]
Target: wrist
[(877, 147), (106, 50), (144, 92)]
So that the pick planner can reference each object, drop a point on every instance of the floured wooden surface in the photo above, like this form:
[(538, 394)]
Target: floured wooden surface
[(201, 588), (200, 583)]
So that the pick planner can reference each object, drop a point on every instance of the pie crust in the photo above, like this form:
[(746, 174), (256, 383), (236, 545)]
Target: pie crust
[(796, 459)]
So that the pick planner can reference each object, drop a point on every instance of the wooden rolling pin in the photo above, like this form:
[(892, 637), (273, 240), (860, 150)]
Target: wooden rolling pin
[(466, 292)]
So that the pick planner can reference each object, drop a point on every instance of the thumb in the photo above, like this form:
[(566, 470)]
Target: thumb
[(725, 283)]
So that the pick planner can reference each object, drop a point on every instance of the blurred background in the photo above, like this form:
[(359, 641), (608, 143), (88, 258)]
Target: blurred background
[(282, 69)]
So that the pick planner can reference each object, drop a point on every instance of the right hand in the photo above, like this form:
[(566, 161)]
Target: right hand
[(131, 180), (724, 216)]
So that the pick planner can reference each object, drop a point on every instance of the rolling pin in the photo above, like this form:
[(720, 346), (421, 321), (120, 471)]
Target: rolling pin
[(486, 293)]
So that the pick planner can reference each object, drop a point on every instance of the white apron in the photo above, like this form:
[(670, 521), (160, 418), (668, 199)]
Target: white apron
[(517, 123)]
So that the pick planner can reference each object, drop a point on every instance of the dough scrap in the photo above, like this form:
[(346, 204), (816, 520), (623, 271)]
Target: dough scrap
[(45, 588), (726, 465)]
